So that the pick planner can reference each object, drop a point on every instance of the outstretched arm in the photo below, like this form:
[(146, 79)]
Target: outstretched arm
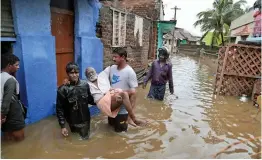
[(148, 76), (133, 84)]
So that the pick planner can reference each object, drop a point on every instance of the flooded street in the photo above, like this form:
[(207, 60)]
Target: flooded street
[(196, 125)]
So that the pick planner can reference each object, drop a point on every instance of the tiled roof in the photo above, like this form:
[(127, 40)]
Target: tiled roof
[(243, 20), (181, 34)]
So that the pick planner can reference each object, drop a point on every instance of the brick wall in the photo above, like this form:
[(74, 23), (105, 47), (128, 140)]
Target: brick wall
[(138, 54), (145, 8), (149, 9), (106, 22)]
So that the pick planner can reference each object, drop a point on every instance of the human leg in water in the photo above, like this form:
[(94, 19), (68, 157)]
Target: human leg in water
[(117, 101)]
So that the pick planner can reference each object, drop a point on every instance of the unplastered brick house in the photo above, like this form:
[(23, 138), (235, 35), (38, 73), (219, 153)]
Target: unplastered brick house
[(131, 24)]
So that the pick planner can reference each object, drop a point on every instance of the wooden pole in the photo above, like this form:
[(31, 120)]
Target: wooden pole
[(219, 84)]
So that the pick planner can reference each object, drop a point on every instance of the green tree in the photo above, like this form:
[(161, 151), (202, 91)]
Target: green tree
[(219, 18)]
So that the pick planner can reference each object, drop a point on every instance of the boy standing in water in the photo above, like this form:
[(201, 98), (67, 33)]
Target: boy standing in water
[(72, 103)]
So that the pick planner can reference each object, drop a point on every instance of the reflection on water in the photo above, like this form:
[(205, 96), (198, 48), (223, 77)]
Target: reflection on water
[(196, 125)]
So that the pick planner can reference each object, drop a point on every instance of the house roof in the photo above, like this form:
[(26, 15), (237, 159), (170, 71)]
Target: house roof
[(242, 20), (181, 34), (177, 35), (188, 36)]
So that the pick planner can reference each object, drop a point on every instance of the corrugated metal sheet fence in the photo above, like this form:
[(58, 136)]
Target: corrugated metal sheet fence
[(7, 25)]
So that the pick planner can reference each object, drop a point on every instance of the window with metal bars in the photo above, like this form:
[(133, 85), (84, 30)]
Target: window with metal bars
[(119, 28)]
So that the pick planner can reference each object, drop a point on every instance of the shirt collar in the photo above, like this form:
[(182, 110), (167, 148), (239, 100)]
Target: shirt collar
[(165, 62)]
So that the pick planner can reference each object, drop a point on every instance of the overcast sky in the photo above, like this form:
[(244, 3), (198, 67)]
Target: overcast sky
[(186, 17)]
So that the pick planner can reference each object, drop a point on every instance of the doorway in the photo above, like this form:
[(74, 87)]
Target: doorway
[(62, 28)]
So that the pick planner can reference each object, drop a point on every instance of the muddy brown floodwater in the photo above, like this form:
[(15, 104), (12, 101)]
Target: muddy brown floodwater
[(196, 125)]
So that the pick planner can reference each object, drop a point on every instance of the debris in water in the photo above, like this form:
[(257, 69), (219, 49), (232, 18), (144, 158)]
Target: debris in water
[(236, 143), (243, 98)]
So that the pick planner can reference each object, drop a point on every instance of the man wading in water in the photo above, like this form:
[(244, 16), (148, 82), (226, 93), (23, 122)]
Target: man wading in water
[(12, 113), (124, 77), (160, 72), (72, 103)]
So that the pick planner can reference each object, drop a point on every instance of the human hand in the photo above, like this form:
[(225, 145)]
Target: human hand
[(174, 95), (3, 119), (66, 81), (64, 132)]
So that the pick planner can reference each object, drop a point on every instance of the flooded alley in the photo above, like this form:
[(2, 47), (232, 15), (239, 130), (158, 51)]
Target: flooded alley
[(196, 125)]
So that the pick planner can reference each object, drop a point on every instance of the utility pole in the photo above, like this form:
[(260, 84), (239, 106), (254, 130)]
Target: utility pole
[(173, 32), (176, 8)]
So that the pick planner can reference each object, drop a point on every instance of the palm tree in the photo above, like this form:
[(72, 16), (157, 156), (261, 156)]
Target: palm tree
[(218, 19)]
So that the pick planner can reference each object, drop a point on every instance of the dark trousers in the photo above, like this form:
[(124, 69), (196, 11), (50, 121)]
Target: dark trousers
[(119, 123), (82, 129), (18, 135), (157, 92)]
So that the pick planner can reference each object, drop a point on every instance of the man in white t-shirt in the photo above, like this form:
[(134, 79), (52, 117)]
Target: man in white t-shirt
[(124, 77)]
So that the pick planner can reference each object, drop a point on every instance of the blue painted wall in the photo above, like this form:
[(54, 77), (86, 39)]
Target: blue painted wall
[(88, 48), (35, 46)]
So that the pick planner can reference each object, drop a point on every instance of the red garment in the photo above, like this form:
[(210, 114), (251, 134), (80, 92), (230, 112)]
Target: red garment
[(257, 26)]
